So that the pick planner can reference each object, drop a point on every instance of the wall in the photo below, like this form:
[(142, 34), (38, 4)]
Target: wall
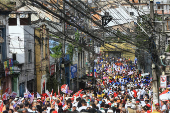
[(41, 58)]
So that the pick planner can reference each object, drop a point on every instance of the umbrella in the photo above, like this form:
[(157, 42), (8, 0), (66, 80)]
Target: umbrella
[(77, 93)]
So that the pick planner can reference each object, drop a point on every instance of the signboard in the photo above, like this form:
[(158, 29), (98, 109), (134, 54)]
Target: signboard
[(8, 67), (52, 69), (163, 81), (74, 71)]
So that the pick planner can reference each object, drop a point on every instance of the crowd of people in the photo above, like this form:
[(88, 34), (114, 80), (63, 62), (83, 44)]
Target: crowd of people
[(120, 88)]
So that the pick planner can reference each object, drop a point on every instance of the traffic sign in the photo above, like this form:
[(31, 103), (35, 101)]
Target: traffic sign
[(163, 82)]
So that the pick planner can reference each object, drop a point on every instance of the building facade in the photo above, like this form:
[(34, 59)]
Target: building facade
[(21, 48), (42, 60)]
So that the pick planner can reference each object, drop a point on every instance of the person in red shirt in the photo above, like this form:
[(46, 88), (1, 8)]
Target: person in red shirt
[(135, 93)]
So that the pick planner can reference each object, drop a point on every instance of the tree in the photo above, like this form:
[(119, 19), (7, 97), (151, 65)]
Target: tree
[(56, 51)]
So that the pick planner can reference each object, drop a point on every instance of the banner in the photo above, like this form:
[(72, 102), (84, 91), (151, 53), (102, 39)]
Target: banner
[(74, 71), (13, 94), (8, 67), (52, 69), (163, 81)]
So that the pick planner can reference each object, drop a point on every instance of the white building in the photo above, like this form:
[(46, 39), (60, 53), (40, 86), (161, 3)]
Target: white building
[(21, 47)]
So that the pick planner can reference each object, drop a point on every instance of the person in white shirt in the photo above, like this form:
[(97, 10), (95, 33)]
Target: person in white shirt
[(83, 107), (164, 108), (48, 107), (138, 94)]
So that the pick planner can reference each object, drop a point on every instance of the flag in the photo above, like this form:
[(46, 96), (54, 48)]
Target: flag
[(18, 102), (38, 95), (55, 94), (58, 90), (4, 96), (66, 89), (7, 90), (15, 105), (1, 107), (48, 93), (52, 91), (13, 94), (32, 98), (26, 90), (29, 95), (25, 95), (44, 95), (77, 93), (43, 86)]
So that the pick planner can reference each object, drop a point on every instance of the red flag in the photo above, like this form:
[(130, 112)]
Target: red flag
[(52, 91), (4, 97), (53, 102), (43, 84), (1, 107), (55, 94), (44, 95), (164, 92), (7, 90), (77, 93)]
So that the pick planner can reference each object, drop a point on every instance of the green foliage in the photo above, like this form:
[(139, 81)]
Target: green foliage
[(70, 50), (77, 35), (79, 49), (52, 83), (158, 18), (56, 51), (167, 50)]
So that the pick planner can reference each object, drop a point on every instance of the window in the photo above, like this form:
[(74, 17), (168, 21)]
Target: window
[(159, 7), (24, 19), (132, 13), (14, 57), (12, 19), (29, 56)]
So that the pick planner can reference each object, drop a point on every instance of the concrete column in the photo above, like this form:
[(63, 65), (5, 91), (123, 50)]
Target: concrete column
[(18, 19)]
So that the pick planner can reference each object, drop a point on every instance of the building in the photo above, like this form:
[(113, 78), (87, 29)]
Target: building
[(5, 80), (21, 48), (42, 59)]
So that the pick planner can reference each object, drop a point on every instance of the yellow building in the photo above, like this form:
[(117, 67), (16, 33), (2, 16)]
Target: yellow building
[(120, 50), (41, 57)]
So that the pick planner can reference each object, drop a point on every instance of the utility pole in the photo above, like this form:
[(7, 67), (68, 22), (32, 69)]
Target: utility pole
[(93, 61), (154, 67), (63, 47)]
